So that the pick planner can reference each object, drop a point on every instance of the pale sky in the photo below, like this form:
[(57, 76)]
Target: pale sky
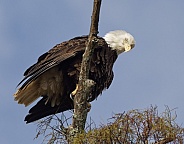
[(151, 74)]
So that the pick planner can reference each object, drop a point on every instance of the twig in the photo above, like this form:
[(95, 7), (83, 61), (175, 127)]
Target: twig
[(165, 141)]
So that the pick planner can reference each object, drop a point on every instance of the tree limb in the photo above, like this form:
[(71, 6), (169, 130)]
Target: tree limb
[(84, 84)]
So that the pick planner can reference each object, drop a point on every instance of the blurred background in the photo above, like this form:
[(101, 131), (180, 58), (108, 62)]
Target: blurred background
[(151, 74)]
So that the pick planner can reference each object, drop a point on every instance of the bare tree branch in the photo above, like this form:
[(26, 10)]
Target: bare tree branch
[(84, 84), (165, 141)]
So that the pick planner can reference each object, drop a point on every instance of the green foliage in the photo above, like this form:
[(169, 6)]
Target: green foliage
[(134, 127)]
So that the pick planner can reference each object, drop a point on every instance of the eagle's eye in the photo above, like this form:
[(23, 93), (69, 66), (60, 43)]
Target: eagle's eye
[(126, 40)]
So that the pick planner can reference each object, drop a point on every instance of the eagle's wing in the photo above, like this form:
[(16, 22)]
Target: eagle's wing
[(44, 78), (53, 57), (41, 109)]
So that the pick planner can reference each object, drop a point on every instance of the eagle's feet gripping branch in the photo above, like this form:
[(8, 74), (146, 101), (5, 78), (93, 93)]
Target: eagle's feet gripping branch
[(72, 95), (75, 91), (89, 85)]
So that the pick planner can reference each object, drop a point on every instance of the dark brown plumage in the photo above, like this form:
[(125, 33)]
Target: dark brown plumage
[(56, 73)]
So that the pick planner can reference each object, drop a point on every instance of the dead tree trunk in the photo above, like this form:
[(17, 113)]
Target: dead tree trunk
[(84, 84)]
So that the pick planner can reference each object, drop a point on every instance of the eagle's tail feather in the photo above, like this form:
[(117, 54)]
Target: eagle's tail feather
[(43, 109), (27, 95)]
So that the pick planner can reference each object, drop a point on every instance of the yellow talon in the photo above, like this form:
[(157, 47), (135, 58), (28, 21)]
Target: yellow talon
[(75, 91)]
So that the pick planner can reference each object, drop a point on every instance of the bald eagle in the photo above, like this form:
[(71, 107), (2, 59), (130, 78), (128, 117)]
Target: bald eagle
[(55, 75)]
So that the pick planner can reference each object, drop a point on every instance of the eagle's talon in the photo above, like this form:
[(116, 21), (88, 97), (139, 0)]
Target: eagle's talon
[(71, 97), (74, 92)]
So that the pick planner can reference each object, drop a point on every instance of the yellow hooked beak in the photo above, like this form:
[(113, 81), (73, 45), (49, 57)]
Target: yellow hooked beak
[(127, 47)]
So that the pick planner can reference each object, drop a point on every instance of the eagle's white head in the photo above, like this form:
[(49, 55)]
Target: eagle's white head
[(120, 40)]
